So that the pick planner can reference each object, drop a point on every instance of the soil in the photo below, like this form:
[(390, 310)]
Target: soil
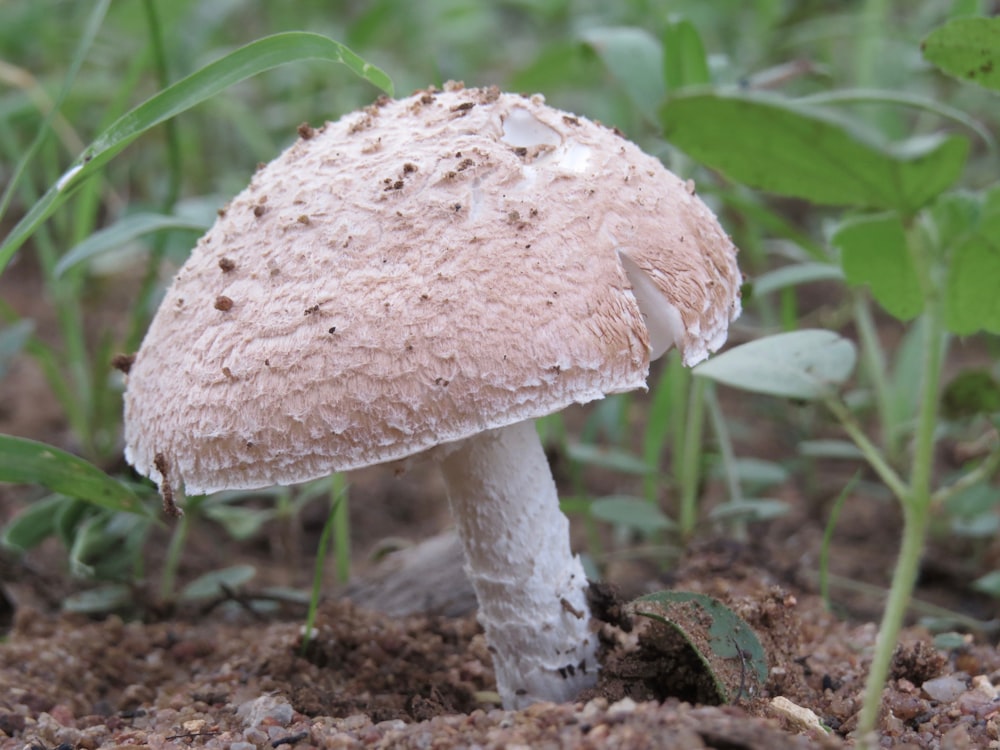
[(397, 660)]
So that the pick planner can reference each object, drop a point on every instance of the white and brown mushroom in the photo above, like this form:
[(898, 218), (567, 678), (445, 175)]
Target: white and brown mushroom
[(429, 276)]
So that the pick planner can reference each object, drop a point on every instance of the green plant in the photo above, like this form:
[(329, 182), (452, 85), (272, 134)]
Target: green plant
[(926, 256)]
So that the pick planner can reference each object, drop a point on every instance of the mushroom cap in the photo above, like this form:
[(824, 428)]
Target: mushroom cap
[(411, 275)]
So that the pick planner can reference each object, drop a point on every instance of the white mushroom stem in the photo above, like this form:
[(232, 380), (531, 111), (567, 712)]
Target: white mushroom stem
[(531, 588)]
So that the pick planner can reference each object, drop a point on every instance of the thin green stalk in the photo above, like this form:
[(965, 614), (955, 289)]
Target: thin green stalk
[(873, 360), (66, 372), (341, 528), (678, 383), (904, 579), (338, 498), (175, 167), (923, 455), (726, 451), (871, 452), (986, 469), (916, 506), (659, 427), (690, 465), (789, 307), (824, 550), (168, 579)]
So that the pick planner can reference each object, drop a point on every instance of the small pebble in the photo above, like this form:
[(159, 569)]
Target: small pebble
[(945, 689)]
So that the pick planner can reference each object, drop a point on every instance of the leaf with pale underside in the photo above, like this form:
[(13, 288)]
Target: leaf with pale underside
[(806, 365)]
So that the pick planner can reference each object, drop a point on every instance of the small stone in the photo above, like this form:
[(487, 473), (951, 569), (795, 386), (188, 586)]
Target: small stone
[(622, 707), (945, 689), (266, 708), (354, 722)]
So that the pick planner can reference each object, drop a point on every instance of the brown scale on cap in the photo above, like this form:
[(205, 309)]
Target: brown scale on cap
[(123, 362)]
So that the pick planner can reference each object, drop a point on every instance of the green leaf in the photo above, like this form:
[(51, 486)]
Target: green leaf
[(216, 582), (970, 393), (239, 522), (795, 275), (954, 216), (13, 339), (684, 61), (967, 48), (123, 231), (874, 251), (247, 61), (560, 66), (843, 450), (729, 650), (26, 461), (614, 459), (972, 302), (33, 524), (903, 99), (100, 600), (753, 472), (800, 151), (988, 584), (69, 516), (632, 512), (750, 511), (634, 57), (801, 364)]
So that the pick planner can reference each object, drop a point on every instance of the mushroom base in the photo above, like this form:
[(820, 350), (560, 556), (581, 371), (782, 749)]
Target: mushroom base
[(531, 588)]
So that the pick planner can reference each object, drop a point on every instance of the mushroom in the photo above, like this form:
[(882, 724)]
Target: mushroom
[(429, 276)]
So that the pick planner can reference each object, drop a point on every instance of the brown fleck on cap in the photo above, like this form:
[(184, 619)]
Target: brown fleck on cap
[(448, 322)]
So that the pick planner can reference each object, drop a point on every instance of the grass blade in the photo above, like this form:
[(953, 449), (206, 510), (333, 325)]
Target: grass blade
[(121, 233), (94, 22), (24, 461), (245, 62)]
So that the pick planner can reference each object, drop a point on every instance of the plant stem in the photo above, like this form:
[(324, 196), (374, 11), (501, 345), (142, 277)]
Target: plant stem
[(175, 166), (824, 549), (690, 450), (871, 452), (916, 506), (726, 452), (663, 417), (321, 550), (341, 528), (987, 467), (875, 369), (168, 579), (904, 578)]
